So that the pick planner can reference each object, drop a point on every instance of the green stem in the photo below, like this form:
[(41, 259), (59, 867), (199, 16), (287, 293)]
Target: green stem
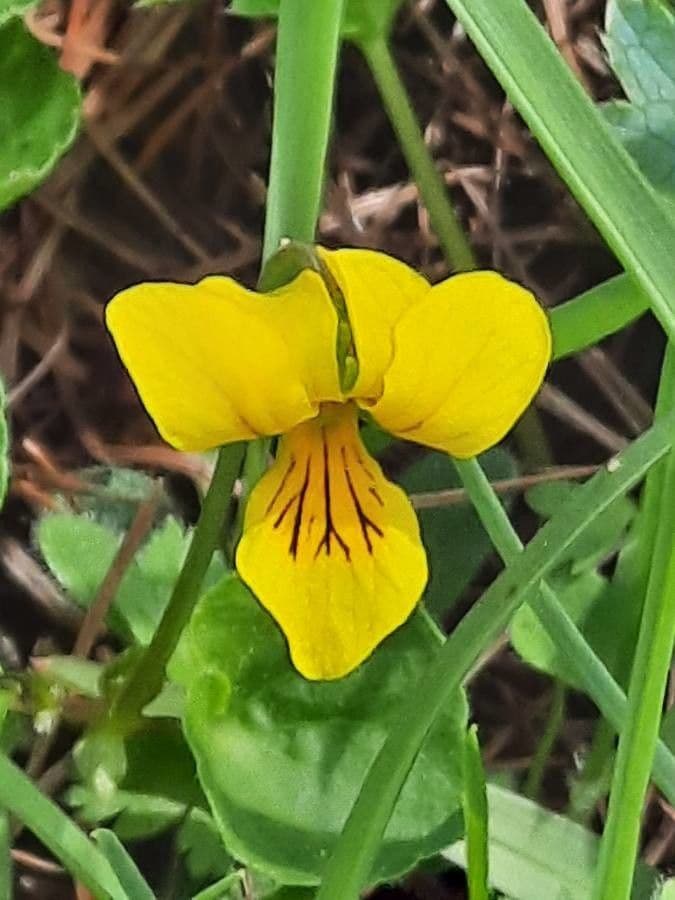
[(303, 102), (431, 186), (147, 676), (554, 722), (587, 319), (308, 40), (349, 867), (649, 675)]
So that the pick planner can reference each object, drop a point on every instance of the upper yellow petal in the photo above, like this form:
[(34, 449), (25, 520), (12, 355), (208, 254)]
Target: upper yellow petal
[(377, 290), (468, 360), (215, 363), (330, 547)]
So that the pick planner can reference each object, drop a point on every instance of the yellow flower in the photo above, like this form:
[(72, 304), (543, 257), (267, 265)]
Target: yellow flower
[(329, 546)]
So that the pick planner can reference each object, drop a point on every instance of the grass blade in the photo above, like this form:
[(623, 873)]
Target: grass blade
[(573, 133), (587, 319), (123, 865), (20, 797), (649, 676)]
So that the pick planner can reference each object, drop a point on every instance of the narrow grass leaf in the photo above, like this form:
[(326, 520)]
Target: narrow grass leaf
[(475, 805), (579, 142), (20, 797), (133, 883), (587, 319)]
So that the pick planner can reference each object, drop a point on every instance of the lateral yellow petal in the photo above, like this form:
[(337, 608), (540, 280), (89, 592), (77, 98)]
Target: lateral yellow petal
[(303, 315), (468, 360), (215, 363), (377, 290), (330, 547)]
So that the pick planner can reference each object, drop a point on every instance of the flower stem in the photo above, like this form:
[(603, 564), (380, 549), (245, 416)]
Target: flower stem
[(308, 40), (651, 665), (431, 186), (147, 676)]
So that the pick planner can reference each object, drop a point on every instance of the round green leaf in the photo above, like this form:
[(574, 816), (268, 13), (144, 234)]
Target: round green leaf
[(281, 759), (39, 111)]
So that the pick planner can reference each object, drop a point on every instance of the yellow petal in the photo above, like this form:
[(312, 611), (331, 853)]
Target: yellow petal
[(215, 363), (377, 290), (468, 360), (330, 547)]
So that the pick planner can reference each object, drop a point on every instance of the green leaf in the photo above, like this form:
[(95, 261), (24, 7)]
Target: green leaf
[(455, 541), (39, 112), (281, 758), (202, 847), (648, 133), (536, 854), (138, 816), (145, 792), (597, 542), (10, 9), (363, 21), (640, 41), (101, 761), (604, 611), (532, 643), (123, 865), (668, 890), (147, 583), (117, 495), (81, 676)]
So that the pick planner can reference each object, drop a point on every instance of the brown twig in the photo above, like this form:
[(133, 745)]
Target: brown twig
[(555, 401), (94, 619), (454, 496)]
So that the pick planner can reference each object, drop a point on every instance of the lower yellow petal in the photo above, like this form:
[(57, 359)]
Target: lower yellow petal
[(377, 291), (330, 547), (214, 362), (468, 360)]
